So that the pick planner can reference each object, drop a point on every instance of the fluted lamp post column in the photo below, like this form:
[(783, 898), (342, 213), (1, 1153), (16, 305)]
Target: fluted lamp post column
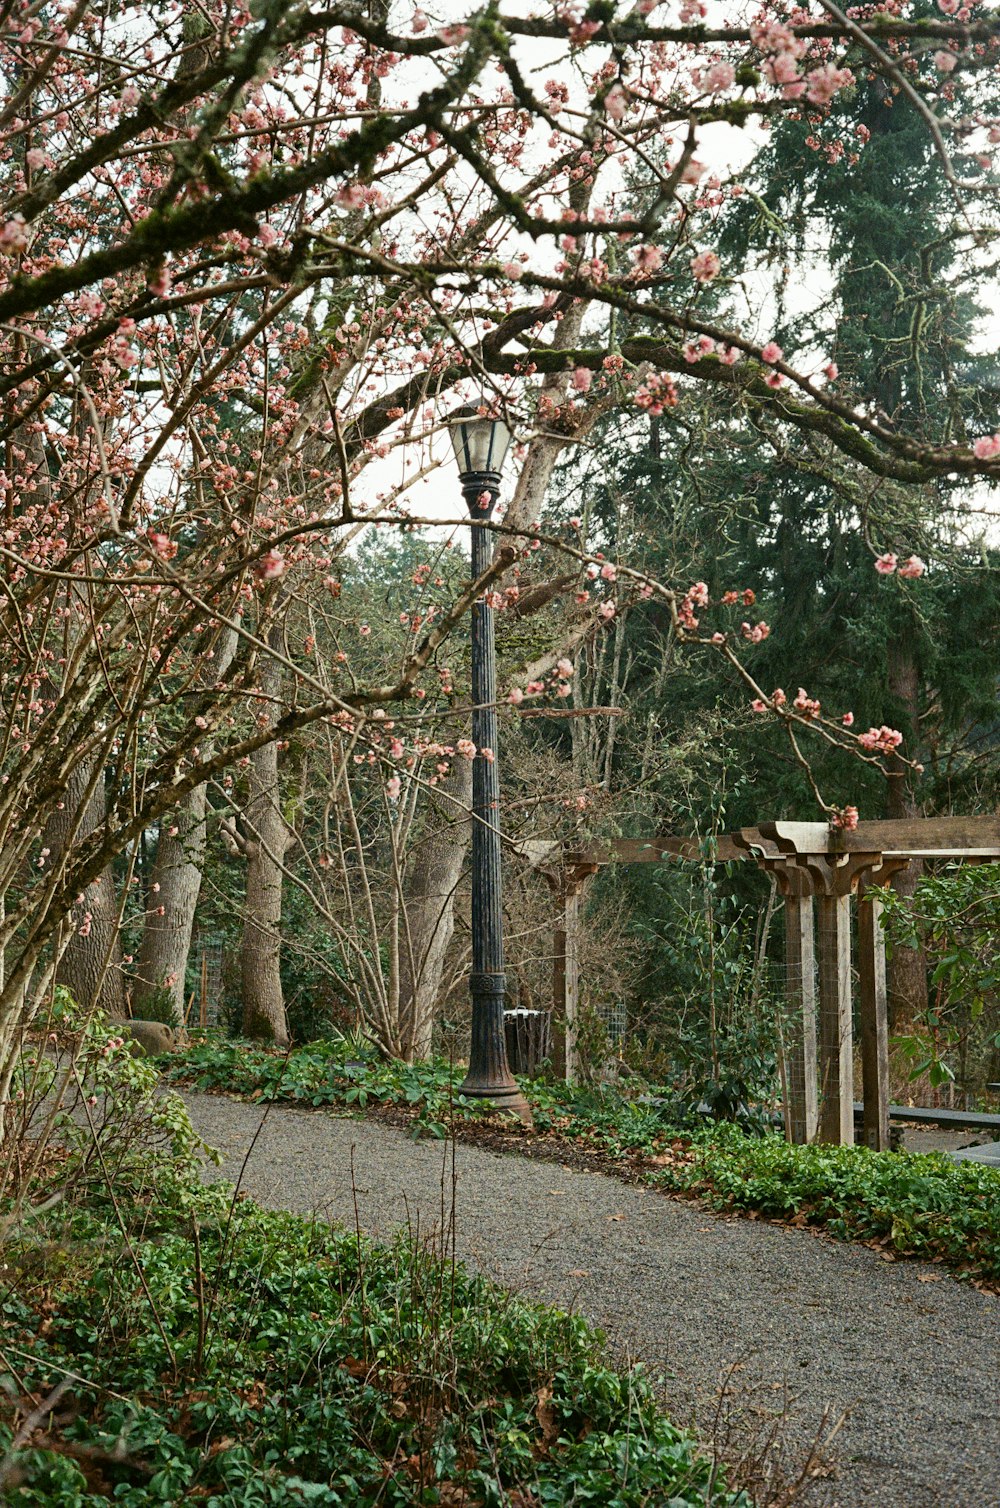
[(480, 448)]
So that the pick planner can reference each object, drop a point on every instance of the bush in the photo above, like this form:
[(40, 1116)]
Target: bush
[(245, 1358)]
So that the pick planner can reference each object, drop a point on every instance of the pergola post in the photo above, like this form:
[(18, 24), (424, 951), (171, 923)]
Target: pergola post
[(836, 1029), (801, 1105), (567, 884), (873, 1014)]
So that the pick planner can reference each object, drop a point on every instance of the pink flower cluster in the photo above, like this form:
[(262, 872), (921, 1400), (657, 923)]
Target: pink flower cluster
[(986, 447), (806, 705), (845, 818), (910, 569), (755, 633), (705, 266), (656, 393), (270, 566), (882, 740)]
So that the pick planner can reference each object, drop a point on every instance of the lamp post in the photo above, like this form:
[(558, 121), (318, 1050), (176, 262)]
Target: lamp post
[(480, 448)]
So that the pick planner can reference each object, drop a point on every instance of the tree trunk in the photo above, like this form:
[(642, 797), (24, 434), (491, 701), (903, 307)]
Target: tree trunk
[(177, 871), (264, 848), (166, 938), (906, 970), (428, 904), (91, 967)]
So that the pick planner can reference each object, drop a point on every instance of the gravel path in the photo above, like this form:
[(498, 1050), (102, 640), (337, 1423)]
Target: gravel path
[(913, 1355)]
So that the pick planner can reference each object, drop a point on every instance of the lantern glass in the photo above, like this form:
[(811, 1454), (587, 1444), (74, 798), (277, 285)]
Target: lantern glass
[(480, 444)]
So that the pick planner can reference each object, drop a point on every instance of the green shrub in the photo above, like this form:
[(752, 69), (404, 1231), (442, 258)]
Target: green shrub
[(265, 1359)]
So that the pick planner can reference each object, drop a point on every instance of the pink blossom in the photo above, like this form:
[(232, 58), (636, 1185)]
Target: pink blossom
[(718, 638), (270, 566), (608, 571), (615, 102), (845, 818), (944, 61), (466, 748), (771, 353), (199, 722), (564, 667), (778, 697), (516, 697), (729, 356), (606, 611), (267, 235), (574, 522), (487, 754), (351, 196), (806, 705), (419, 22), (35, 158), (699, 594), (823, 83), (948, 7), (757, 705), (513, 270), (720, 76), (705, 266), (884, 739), (755, 634), (648, 259), (912, 567), (582, 378), (393, 786), (984, 449), (452, 35), (848, 719), (696, 349), (886, 564), (831, 371), (161, 544)]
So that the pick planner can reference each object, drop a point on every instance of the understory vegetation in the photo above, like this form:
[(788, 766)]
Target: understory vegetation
[(165, 1341), (908, 1204)]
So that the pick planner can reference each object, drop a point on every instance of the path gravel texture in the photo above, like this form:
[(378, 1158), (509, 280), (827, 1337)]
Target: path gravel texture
[(913, 1355)]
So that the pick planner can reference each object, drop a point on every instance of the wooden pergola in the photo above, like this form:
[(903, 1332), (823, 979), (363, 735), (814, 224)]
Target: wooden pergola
[(817, 871)]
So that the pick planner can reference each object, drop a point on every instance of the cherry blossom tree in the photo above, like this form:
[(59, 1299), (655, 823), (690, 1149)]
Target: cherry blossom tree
[(250, 252)]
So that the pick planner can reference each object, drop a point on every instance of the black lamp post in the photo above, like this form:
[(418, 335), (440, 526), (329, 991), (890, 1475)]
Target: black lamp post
[(480, 447)]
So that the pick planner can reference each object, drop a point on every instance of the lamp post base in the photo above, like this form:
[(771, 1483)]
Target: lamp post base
[(508, 1099)]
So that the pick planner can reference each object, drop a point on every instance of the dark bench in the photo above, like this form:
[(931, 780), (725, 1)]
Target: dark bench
[(925, 1116)]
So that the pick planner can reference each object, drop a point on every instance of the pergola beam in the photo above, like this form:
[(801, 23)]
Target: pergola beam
[(817, 869)]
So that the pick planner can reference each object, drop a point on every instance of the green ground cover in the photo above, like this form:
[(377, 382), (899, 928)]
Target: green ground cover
[(162, 1341), (918, 1205)]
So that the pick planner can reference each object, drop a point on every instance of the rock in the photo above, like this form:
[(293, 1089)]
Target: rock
[(988, 1154), (151, 1038)]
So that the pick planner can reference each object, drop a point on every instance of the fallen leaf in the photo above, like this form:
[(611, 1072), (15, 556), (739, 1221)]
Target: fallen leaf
[(578, 1272), (546, 1416), (616, 1217), (928, 1277)]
